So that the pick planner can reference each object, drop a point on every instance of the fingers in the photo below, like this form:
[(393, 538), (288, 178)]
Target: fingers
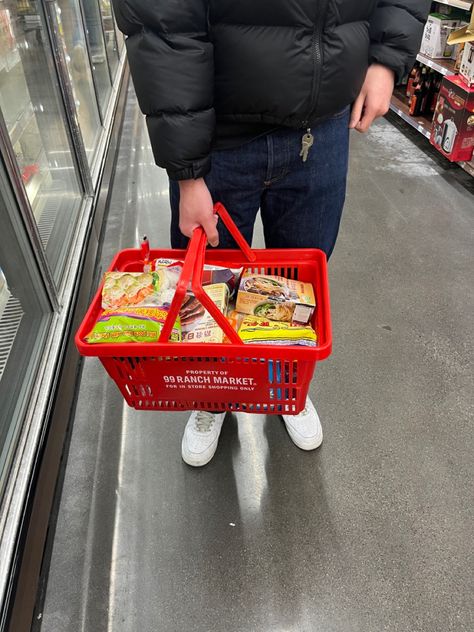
[(209, 223), (362, 119), (371, 112), (187, 228), (357, 109), (196, 209), (366, 121), (374, 98)]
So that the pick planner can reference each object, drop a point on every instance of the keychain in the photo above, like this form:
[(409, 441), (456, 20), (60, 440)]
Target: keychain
[(306, 143)]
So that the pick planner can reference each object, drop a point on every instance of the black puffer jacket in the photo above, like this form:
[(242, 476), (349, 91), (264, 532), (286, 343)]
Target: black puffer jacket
[(284, 62)]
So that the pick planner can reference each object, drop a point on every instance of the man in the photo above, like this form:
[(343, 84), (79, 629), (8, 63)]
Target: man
[(249, 103)]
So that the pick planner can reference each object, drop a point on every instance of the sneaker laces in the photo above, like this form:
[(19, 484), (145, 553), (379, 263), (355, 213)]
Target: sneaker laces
[(204, 421)]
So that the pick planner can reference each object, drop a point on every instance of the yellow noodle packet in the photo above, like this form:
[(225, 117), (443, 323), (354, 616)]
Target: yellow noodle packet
[(263, 331)]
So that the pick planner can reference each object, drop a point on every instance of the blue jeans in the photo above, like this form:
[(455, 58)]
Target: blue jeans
[(300, 202)]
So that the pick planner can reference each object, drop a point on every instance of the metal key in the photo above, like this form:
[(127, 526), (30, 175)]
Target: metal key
[(306, 143)]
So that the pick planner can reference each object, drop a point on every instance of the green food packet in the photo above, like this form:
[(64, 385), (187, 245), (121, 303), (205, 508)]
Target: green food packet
[(137, 324)]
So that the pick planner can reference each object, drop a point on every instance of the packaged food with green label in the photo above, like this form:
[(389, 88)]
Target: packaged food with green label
[(134, 324)]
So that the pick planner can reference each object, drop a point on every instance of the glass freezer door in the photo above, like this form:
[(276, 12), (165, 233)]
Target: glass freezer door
[(33, 119), (25, 314)]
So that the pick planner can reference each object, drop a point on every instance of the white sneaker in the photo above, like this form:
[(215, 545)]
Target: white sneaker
[(200, 437), (305, 428)]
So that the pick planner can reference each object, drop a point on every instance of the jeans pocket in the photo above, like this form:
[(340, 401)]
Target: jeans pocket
[(342, 113)]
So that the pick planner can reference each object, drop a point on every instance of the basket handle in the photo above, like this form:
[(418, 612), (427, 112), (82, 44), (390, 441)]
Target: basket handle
[(204, 298), (231, 226), (181, 287), (193, 267)]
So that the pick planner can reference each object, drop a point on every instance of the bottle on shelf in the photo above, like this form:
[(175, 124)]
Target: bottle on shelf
[(427, 92), (434, 94), (413, 78), (418, 94)]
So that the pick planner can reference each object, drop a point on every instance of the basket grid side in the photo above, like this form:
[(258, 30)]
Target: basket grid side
[(289, 272), (146, 383)]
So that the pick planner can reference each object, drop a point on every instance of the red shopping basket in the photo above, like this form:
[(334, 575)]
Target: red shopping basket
[(229, 376)]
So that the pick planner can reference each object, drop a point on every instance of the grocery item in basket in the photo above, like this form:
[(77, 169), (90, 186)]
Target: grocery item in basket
[(197, 324), (262, 331), (235, 319), (211, 274), (139, 289), (191, 311), (134, 324), (276, 298)]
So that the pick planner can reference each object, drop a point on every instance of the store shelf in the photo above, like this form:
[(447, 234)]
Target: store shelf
[(24, 119), (468, 167), (420, 123), (459, 4), (443, 66)]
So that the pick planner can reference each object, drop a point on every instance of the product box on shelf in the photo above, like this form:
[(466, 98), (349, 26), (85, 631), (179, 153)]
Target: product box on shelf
[(435, 37), (453, 122), (459, 56), (466, 69)]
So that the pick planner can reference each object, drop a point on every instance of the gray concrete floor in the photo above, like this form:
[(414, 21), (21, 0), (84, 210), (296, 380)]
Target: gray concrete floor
[(372, 532)]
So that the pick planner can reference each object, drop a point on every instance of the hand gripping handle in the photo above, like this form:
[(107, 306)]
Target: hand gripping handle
[(192, 272)]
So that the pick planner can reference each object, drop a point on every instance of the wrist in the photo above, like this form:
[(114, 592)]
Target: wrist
[(186, 185), (382, 68)]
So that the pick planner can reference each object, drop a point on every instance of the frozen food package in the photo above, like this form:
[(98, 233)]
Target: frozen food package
[(196, 322), (139, 289), (235, 320), (262, 331), (276, 298), (211, 274), (135, 324)]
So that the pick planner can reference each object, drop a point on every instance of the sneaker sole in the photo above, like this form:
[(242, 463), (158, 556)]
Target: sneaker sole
[(304, 444), (308, 445), (191, 460)]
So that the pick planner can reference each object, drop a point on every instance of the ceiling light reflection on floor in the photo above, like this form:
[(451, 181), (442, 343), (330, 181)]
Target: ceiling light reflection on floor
[(250, 473)]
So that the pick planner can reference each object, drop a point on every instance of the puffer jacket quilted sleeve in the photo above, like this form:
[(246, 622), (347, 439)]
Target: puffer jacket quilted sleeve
[(396, 31), (172, 67)]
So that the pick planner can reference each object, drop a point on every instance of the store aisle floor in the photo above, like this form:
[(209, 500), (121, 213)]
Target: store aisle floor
[(373, 531)]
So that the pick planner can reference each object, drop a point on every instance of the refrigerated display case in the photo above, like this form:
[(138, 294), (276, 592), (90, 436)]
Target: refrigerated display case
[(25, 312), (4, 296), (80, 73), (109, 33), (60, 81), (98, 55), (33, 118)]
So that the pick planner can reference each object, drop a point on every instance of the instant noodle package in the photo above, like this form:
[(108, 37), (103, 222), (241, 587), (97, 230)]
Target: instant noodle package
[(262, 331)]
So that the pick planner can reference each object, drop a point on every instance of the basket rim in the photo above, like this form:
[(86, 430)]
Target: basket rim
[(287, 258)]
